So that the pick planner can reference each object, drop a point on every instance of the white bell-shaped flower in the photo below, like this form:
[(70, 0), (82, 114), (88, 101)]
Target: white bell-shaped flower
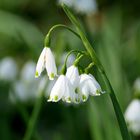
[(8, 69), (132, 116), (62, 89), (46, 60), (88, 86), (73, 75)]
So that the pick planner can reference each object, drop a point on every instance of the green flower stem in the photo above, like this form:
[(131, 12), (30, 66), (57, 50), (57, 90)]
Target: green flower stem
[(74, 51), (33, 119), (89, 67), (119, 114), (76, 62), (47, 38), (64, 68)]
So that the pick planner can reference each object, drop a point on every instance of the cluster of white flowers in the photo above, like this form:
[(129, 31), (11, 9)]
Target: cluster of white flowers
[(81, 6), (70, 86), (26, 88)]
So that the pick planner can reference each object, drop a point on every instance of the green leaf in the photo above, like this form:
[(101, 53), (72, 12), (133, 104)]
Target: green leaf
[(19, 29)]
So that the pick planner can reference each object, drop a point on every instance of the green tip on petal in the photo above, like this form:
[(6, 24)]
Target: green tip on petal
[(98, 92), (76, 90), (36, 74), (55, 98), (69, 99), (52, 75), (84, 98), (77, 100)]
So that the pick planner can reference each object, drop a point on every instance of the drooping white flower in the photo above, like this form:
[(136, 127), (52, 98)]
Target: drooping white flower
[(73, 75), (8, 69), (62, 89), (46, 60), (74, 78), (88, 86), (132, 116)]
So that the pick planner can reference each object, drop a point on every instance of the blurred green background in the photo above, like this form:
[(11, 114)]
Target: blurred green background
[(113, 29)]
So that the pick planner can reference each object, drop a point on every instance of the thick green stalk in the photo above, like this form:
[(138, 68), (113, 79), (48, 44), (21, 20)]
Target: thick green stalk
[(119, 114)]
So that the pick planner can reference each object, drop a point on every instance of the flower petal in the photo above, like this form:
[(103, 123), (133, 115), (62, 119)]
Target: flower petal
[(58, 90), (69, 92), (84, 90), (50, 64), (41, 63), (73, 75)]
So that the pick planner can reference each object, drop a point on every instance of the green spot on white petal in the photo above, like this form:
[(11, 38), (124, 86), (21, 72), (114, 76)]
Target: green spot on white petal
[(36, 74), (76, 90), (84, 98), (52, 75), (56, 98), (69, 99), (97, 92), (77, 100)]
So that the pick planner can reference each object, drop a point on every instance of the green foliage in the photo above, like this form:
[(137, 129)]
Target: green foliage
[(116, 38)]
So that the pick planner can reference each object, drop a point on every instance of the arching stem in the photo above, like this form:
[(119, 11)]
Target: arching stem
[(48, 36), (63, 71)]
